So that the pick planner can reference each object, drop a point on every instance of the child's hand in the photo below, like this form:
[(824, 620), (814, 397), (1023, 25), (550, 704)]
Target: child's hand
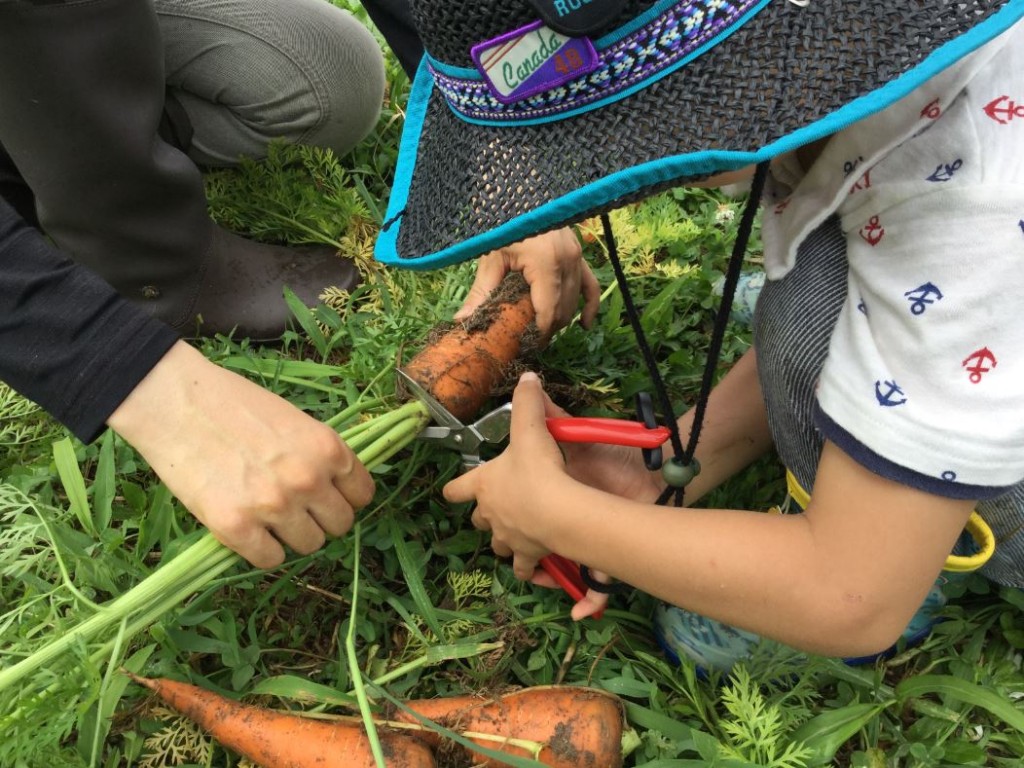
[(617, 469), (591, 603), (519, 513), (523, 491), (553, 265)]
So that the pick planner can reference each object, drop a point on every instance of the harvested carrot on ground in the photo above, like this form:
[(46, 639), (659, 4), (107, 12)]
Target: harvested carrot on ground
[(462, 363), (578, 727), (277, 740)]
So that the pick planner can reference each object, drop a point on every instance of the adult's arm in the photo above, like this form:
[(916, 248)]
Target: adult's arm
[(257, 471), (394, 19), (68, 341)]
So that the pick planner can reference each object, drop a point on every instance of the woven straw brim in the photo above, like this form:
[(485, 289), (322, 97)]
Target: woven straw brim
[(790, 72)]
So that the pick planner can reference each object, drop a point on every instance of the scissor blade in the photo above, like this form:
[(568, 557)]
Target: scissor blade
[(438, 411), (495, 426)]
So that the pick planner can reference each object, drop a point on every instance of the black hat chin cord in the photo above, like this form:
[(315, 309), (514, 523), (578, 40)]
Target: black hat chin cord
[(682, 467)]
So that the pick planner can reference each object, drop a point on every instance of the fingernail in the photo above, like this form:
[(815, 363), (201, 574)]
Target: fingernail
[(529, 376)]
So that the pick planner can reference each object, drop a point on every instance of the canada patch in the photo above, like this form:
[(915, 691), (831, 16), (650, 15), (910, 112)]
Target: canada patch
[(531, 60)]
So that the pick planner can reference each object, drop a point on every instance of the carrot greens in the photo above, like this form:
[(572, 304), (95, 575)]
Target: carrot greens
[(30, 686)]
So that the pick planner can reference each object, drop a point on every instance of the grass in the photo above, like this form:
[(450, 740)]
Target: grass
[(434, 612)]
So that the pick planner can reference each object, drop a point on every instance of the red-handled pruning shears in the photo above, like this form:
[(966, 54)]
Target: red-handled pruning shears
[(493, 428)]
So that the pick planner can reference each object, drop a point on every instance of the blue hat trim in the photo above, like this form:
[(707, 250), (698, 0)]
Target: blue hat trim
[(657, 172)]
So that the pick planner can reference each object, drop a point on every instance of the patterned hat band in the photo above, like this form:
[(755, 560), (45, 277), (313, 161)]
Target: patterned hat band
[(535, 74)]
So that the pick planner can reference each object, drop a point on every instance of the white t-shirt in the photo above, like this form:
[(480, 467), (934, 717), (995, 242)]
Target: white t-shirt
[(926, 365)]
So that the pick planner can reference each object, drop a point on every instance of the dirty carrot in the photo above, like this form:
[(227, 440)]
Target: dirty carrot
[(463, 363), (576, 726), (278, 740)]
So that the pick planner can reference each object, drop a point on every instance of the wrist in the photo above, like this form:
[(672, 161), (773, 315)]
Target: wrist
[(556, 511), (144, 413)]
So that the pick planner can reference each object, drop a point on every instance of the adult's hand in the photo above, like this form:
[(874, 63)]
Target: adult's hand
[(257, 471), (553, 265)]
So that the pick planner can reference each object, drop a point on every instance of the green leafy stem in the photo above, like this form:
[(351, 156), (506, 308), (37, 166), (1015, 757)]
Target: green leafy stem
[(374, 441)]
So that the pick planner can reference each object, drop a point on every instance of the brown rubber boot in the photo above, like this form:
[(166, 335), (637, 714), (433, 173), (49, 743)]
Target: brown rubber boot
[(81, 103), (240, 280)]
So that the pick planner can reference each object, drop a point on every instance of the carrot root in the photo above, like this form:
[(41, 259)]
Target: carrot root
[(464, 363), (278, 740), (576, 726), (567, 726)]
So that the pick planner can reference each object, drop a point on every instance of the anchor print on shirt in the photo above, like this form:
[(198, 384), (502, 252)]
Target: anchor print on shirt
[(873, 231), (945, 171), (1004, 110), (922, 297), (978, 360), (932, 110), (889, 394)]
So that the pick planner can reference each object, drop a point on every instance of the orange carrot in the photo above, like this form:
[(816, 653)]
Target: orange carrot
[(461, 367), (576, 726), (278, 740), (589, 229)]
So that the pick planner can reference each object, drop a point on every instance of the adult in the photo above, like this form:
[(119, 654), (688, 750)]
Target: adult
[(109, 110)]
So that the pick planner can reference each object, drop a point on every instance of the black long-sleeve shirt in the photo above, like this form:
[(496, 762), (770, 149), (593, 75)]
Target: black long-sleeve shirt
[(68, 341)]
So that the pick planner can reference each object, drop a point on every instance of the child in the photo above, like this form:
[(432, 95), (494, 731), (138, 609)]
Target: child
[(888, 357)]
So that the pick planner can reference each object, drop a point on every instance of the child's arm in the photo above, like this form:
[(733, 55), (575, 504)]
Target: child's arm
[(842, 579), (735, 431), (735, 434)]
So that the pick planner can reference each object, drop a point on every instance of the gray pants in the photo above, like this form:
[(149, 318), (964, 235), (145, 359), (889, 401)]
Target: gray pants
[(250, 71)]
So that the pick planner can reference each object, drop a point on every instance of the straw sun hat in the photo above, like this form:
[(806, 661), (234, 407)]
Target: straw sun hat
[(525, 116)]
